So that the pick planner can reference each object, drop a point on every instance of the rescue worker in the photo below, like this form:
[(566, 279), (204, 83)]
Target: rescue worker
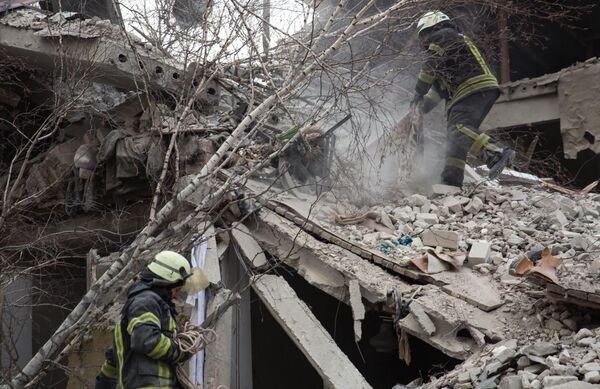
[(456, 71), (143, 354)]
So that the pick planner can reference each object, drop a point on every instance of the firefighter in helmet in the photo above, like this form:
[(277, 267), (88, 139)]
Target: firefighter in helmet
[(456, 71), (143, 354)]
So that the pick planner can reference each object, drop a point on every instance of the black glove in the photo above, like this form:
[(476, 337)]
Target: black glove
[(103, 382)]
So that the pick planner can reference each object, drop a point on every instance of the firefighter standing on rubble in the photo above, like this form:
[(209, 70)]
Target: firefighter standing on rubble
[(456, 71), (144, 354)]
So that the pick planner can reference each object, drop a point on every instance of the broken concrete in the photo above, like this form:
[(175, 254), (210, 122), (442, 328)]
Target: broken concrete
[(441, 238), (308, 334), (248, 246), (358, 309)]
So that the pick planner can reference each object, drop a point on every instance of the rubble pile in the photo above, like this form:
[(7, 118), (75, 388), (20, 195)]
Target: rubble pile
[(494, 230), (572, 361), (505, 278), (494, 225)]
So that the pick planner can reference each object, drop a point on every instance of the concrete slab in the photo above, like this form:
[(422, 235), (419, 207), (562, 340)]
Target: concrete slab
[(307, 333), (358, 309), (436, 237), (422, 318), (248, 246), (212, 266)]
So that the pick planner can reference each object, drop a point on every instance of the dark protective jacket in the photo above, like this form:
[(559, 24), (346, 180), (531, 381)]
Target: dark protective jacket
[(143, 354), (455, 65)]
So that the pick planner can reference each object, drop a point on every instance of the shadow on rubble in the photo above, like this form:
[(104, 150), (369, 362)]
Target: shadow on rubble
[(277, 362)]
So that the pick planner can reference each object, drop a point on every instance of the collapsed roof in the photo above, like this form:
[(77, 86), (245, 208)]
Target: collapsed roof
[(487, 268)]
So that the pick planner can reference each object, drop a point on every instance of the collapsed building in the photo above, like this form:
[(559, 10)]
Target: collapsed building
[(495, 285)]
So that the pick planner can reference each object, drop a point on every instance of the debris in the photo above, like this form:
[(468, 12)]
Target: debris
[(474, 206), (358, 309), (479, 253), (421, 316), (249, 247), (308, 334), (442, 238), (443, 190)]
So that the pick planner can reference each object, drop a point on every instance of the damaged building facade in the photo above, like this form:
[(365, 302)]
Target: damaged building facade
[(494, 285)]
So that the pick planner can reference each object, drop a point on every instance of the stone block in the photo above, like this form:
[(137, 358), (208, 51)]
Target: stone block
[(417, 200), (474, 206), (479, 253), (552, 380), (447, 239), (592, 377), (428, 218), (557, 217), (455, 204), (588, 367), (511, 382)]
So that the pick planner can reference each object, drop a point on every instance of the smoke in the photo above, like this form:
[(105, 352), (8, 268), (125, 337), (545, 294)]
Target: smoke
[(382, 64)]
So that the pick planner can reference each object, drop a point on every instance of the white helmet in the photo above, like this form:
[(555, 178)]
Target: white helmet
[(430, 19), (173, 270), (170, 267)]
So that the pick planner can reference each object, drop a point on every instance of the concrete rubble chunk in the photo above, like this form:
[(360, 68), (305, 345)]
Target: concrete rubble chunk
[(385, 220), (588, 367), (444, 190), (479, 253), (417, 200), (474, 206), (358, 309), (455, 203), (553, 380), (583, 333), (541, 349), (422, 318), (574, 385), (503, 353), (305, 330), (592, 377), (511, 382), (250, 248), (428, 218), (442, 238), (559, 218)]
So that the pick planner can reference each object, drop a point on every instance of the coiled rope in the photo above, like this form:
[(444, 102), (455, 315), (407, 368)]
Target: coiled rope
[(191, 340)]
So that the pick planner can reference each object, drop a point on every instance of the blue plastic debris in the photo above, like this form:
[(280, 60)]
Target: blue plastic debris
[(385, 246), (405, 241)]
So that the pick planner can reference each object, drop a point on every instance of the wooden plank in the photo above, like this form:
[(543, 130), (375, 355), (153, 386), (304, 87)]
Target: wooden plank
[(307, 333), (249, 247)]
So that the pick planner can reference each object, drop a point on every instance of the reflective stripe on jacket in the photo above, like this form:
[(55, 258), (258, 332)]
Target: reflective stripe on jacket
[(456, 65), (143, 354)]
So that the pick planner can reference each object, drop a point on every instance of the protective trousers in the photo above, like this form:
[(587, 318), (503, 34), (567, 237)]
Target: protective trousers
[(464, 137)]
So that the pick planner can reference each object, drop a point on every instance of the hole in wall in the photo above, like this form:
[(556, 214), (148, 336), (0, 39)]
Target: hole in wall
[(382, 369)]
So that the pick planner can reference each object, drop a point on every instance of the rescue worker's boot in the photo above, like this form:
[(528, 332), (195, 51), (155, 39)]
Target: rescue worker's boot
[(500, 161)]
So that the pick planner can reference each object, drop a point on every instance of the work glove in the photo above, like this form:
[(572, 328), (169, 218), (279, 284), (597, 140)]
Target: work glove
[(103, 382)]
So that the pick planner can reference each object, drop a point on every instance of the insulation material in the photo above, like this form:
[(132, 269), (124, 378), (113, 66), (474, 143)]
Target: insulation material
[(578, 92)]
